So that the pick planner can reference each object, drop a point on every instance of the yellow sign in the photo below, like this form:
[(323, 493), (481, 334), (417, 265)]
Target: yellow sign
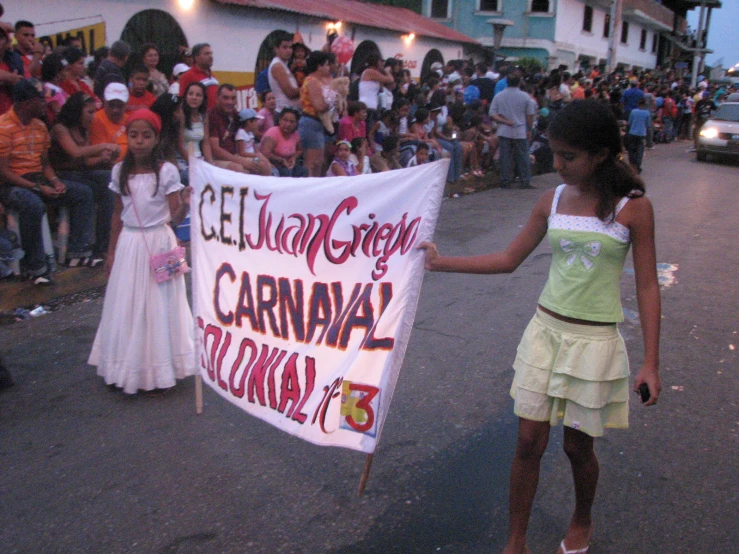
[(92, 36)]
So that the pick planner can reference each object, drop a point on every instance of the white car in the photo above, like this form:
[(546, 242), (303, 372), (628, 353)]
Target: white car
[(720, 134)]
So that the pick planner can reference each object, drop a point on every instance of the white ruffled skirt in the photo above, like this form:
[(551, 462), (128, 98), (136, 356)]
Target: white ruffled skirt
[(145, 340), (576, 373)]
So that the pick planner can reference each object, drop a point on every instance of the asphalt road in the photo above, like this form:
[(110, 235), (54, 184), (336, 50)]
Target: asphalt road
[(86, 470)]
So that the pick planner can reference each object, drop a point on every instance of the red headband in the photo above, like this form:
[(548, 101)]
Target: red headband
[(147, 115)]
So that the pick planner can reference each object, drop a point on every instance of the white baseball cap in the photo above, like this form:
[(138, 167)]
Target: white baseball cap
[(179, 69), (116, 91)]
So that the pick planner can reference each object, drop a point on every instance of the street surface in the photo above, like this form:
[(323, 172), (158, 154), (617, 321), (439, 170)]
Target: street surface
[(86, 470)]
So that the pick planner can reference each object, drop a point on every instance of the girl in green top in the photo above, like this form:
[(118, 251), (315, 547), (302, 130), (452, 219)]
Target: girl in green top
[(571, 363)]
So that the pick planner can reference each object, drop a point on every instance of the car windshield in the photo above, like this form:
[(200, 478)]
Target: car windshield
[(727, 112)]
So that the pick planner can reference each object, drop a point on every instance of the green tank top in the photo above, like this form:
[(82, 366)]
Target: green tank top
[(587, 261)]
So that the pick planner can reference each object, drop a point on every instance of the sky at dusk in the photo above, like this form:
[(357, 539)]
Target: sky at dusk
[(722, 35)]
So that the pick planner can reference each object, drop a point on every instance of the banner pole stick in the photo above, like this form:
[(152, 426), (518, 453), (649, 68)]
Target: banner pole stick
[(198, 377), (365, 474)]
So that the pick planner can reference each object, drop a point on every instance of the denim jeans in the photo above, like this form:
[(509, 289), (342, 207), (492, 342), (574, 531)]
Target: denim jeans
[(455, 166), (669, 129), (31, 208), (514, 159), (104, 198)]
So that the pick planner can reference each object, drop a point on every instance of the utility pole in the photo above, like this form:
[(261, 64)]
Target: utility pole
[(616, 16), (700, 50)]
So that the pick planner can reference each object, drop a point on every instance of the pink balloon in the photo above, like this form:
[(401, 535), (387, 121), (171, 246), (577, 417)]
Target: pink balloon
[(343, 47)]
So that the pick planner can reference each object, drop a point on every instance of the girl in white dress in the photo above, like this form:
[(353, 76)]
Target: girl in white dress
[(145, 338)]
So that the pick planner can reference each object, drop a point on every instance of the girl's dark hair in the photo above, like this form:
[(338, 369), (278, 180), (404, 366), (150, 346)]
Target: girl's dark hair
[(357, 144), (155, 162), (187, 110), (52, 68), (166, 107), (590, 125), (422, 114), (71, 112), (146, 47)]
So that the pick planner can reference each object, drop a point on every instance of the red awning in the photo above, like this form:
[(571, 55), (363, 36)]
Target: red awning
[(361, 13)]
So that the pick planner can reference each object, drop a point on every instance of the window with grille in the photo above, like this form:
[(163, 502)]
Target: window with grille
[(625, 32), (654, 42), (607, 26), (643, 40), (488, 5), (540, 6), (587, 22)]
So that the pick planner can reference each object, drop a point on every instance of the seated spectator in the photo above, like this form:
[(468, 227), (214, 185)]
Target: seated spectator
[(138, 96), (10, 246), (223, 123), (73, 78), (246, 141), (267, 112), (354, 124), (73, 157), (11, 70), (421, 156), (177, 71), (53, 72), (30, 183), (158, 83), (360, 157), (169, 110), (109, 124), (281, 145), (342, 166), (194, 130), (110, 70), (387, 159)]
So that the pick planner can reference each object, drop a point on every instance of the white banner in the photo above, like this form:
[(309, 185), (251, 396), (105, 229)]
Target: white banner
[(305, 291)]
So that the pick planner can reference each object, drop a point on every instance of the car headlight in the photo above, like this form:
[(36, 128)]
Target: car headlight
[(709, 133)]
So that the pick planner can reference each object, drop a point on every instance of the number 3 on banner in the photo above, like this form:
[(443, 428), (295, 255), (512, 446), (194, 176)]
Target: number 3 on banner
[(358, 404)]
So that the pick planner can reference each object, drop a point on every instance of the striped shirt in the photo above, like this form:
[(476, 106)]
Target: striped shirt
[(23, 145)]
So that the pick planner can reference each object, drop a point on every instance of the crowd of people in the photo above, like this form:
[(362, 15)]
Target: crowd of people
[(313, 120)]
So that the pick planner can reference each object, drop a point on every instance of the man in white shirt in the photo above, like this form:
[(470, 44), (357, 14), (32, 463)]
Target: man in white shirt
[(514, 112)]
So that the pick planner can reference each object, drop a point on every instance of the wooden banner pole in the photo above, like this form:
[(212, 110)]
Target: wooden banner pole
[(198, 394), (365, 474)]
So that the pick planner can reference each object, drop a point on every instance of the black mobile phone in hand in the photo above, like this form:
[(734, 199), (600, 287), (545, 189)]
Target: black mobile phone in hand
[(644, 392)]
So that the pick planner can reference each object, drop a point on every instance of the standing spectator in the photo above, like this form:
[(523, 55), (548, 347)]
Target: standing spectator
[(157, 80), (109, 124), (514, 112), (282, 82), (651, 106), (29, 182), (138, 96), (11, 70), (685, 107), (202, 55), (638, 126), (485, 85), (316, 98), (110, 70), (631, 97), (375, 76), (281, 145), (223, 123), (28, 48), (73, 81)]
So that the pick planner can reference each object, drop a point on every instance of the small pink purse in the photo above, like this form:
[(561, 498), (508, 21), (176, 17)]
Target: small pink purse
[(167, 265)]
